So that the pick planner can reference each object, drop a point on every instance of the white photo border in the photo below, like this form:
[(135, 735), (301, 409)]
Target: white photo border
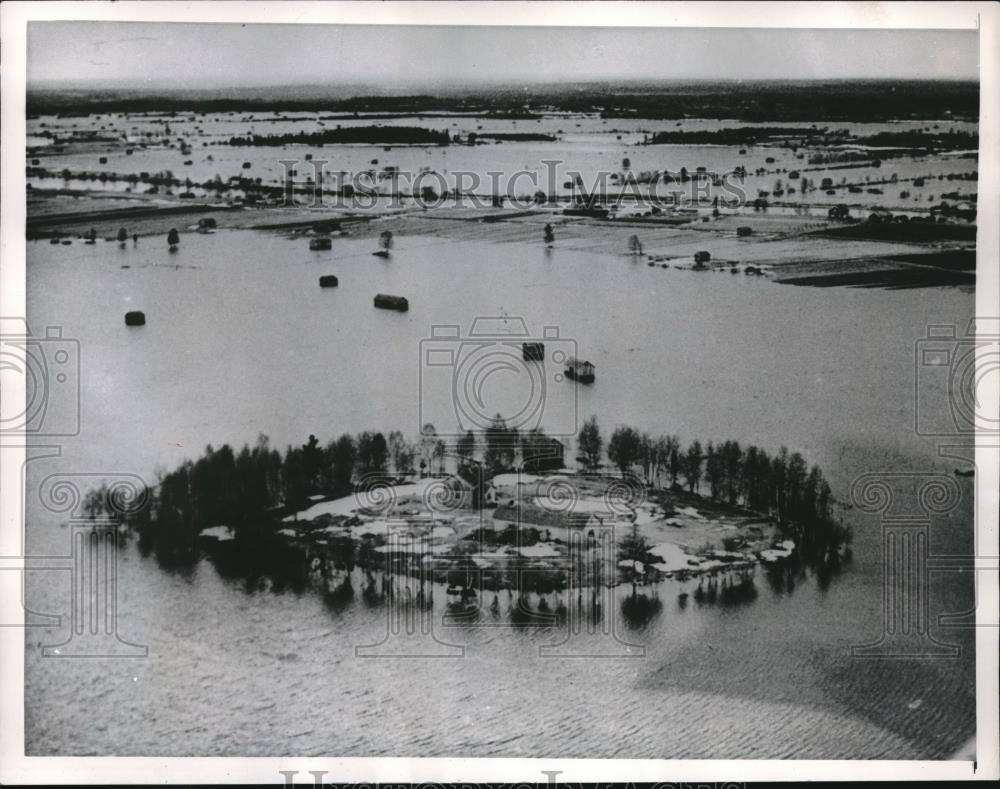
[(15, 767)]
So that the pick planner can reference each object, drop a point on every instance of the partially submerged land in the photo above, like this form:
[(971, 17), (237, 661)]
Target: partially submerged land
[(867, 183), (817, 204), (788, 248), (497, 521)]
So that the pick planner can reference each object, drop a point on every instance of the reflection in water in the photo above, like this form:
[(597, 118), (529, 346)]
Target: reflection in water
[(262, 563), (340, 595), (639, 610), (791, 659)]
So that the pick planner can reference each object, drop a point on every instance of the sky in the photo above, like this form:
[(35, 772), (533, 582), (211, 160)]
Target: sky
[(162, 55)]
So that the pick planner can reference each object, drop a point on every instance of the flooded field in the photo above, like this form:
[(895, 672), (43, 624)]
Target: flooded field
[(196, 147), (237, 324)]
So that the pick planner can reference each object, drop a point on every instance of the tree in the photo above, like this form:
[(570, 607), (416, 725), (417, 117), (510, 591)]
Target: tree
[(633, 548), (501, 445), (778, 477), (674, 464), (692, 465), (372, 452), (294, 479), (466, 446), (795, 482), (549, 235), (312, 461), (662, 458), (173, 239), (624, 448), (634, 245), (401, 453), (590, 443), (756, 479), (714, 471), (647, 456), (341, 456), (122, 236), (732, 464), (379, 452), (428, 445)]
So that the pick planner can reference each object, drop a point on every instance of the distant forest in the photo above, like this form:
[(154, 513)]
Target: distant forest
[(754, 135), (868, 100), (381, 135)]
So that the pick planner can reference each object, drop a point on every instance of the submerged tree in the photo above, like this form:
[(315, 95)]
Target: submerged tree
[(634, 549)]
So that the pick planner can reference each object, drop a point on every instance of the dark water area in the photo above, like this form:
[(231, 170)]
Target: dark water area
[(303, 666), (892, 279)]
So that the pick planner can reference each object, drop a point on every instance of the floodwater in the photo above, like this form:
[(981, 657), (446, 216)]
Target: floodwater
[(591, 146), (241, 340)]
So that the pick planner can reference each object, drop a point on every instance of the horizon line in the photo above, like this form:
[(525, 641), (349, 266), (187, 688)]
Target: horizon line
[(512, 82)]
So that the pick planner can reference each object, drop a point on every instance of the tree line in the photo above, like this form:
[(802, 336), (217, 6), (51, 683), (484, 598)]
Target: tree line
[(381, 135), (782, 485), (249, 489)]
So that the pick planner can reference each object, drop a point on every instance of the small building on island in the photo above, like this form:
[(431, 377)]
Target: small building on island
[(542, 453)]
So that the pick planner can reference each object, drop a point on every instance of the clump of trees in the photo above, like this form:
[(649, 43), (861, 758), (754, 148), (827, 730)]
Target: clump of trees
[(381, 135), (250, 489), (783, 486)]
